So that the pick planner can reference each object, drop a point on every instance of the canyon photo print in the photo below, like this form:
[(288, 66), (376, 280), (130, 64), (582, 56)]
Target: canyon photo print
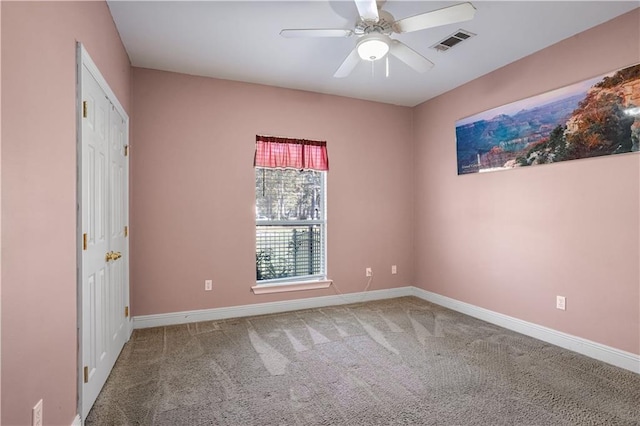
[(596, 117)]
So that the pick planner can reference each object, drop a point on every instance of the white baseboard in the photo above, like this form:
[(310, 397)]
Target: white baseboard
[(158, 320), (586, 347), (598, 351), (77, 421)]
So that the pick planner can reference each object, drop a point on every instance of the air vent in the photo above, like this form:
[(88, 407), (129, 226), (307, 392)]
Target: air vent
[(455, 38)]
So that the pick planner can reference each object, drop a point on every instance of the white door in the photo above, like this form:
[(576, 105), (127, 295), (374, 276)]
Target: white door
[(104, 245), (118, 215)]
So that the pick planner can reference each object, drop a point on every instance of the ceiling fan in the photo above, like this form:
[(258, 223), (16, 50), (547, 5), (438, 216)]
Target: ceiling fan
[(374, 28)]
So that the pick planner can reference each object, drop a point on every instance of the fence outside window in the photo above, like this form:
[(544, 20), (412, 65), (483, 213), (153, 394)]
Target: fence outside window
[(288, 251)]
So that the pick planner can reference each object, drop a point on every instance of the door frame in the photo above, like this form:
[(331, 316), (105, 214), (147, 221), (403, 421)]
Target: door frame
[(83, 59)]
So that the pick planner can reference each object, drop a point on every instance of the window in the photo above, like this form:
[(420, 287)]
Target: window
[(290, 224), (290, 210)]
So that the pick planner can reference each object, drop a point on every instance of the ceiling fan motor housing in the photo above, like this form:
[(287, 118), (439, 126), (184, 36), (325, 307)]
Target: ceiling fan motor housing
[(384, 25)]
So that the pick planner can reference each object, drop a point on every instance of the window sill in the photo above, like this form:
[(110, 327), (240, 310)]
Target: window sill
[(291, 286)]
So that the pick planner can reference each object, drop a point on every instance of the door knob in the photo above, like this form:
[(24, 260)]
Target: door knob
[(112, 255)]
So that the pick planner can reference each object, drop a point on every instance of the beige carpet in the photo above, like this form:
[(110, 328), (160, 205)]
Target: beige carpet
[(391, 362)]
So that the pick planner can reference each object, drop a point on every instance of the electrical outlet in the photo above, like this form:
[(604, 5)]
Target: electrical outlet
[(368, 272), (36, 414), (394, 269), (208, 285), (561, 303)]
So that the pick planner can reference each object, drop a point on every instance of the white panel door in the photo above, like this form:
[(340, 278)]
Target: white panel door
[(118, 212), (104, 207)]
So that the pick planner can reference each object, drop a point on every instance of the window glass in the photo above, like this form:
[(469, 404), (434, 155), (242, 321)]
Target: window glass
[(290, 224)]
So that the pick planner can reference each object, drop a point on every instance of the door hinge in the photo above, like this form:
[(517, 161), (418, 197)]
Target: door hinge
[(84, 241), (86, 374), (84, 109), (126, 150), (126, 312), (126, 231)]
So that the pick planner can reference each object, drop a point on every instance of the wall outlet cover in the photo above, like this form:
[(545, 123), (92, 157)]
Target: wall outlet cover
[(561, 303)]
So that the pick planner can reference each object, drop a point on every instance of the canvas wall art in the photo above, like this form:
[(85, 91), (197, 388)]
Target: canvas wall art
[(596, 117)]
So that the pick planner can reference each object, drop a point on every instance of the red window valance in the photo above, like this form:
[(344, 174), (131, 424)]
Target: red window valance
[(274, 152)]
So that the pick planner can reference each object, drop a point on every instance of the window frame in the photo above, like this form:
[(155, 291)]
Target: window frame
[(298, 279)]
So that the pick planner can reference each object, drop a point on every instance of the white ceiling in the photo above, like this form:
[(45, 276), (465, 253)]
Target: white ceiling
[(239, 40)]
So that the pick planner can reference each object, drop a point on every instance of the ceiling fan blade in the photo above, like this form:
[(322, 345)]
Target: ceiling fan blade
[(312, 32), (410, 56), (348, 65), (368, 10), (448, 15)]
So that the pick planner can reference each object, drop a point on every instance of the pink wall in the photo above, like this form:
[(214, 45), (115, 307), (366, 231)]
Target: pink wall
[(39, 345), (194, 190), (511, 241)]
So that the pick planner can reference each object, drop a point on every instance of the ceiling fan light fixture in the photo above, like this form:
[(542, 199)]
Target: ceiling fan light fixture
[(373, 47)]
